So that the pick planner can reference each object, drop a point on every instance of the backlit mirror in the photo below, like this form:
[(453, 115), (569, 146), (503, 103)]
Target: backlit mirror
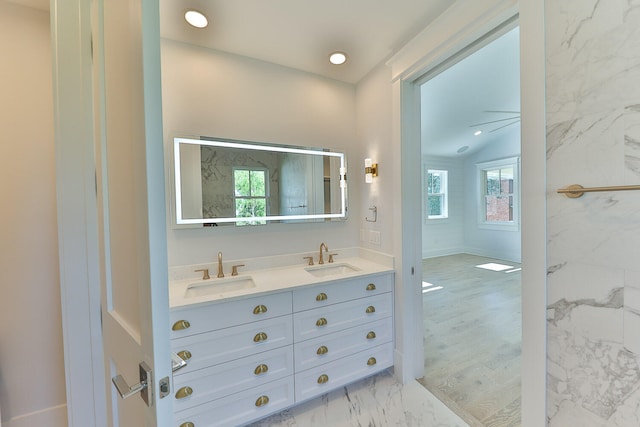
[(220, 181)]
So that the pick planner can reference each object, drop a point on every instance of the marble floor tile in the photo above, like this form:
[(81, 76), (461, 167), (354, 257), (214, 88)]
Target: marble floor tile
[(379, 401)]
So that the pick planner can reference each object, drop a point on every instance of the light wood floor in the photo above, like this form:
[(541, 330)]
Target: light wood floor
[(473, 339)]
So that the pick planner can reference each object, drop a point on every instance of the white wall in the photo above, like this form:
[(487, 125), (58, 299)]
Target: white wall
[(32, 380), (211, 93), (502, 244), (373, 107), (444, 236)]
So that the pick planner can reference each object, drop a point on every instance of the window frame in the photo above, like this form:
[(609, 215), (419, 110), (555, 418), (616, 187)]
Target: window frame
[(444, 184), (481, 170)]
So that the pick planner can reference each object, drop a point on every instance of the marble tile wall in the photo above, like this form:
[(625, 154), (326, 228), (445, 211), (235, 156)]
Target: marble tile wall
[(593, 139)]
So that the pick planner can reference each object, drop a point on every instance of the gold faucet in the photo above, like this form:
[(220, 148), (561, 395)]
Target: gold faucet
[(326, 249), (220, 272)]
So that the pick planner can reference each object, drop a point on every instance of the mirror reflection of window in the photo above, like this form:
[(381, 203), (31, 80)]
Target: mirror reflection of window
[(250, 194)]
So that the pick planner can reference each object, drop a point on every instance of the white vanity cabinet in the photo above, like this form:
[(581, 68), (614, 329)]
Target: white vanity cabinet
[(252, 357), (239, 360), (342, 333)]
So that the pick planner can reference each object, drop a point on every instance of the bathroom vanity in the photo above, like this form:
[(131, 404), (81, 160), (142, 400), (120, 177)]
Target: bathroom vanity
[(265, 340)]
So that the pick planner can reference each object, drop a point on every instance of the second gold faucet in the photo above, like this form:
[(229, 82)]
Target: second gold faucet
[(220, 272)]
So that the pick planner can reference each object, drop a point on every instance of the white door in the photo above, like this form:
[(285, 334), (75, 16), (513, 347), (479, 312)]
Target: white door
[(131, 208), (117, 45)]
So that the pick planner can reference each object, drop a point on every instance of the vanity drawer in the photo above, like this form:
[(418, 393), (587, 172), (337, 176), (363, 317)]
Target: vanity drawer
[(232, 343), (340, 291), (232, 377), (325, 349), (209, 317), (324, 378), (240, 408), (322, 321)]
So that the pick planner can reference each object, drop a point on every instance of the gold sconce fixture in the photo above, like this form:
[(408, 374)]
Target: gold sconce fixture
[(370, 170)]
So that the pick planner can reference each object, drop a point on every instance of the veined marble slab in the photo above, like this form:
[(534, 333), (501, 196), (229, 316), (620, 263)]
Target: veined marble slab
[(379, 401)]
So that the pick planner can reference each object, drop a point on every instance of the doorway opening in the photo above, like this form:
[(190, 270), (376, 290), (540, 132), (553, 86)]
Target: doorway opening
[(471, 234)]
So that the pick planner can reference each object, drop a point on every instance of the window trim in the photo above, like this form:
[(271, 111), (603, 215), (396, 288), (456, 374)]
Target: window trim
[(481, 168), (445, 195)]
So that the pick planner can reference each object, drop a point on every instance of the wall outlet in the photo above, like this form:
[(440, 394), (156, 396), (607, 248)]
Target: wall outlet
[(374, 237)]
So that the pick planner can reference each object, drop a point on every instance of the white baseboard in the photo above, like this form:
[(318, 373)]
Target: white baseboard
[(56, 416)]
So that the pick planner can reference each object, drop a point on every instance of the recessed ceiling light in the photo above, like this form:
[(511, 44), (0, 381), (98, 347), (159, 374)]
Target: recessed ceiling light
[(338, 58), (195, 18), (478, 132), (462, 149)]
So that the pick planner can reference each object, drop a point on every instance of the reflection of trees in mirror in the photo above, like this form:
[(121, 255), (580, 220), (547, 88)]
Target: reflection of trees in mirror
[(250, 195)]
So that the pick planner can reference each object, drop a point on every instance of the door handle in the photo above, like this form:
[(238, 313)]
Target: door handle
[(146, 379)]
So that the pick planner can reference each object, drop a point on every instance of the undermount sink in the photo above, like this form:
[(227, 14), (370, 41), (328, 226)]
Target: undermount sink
[(219, 286), (331, 269)]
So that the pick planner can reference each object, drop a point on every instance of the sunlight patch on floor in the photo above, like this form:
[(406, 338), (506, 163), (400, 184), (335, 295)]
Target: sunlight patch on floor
[(495, 266), (429, 287)]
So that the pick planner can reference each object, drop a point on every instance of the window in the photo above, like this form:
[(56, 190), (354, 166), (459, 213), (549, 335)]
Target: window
[(437, 203), (250, 194), (499, 193)]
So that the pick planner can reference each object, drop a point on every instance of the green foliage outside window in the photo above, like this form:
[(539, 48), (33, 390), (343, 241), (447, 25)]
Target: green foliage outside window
[(250, 195)]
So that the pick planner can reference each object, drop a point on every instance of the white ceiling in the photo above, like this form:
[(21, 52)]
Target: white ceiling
[(463, 96), (301, 34)]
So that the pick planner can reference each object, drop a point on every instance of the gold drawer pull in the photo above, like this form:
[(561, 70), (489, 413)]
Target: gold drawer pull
[(322, 350), (372, 361), (188, 424), (185, 355), (371, 287), (184, 392), (260, 336), (260, 309), (322, 379), (261, 369), (262, 400), (370, 309), (180, 325), (371, 335), (321, 297), (321, 322)]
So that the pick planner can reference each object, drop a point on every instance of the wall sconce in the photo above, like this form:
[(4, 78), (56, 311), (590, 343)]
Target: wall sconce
[(370, 170)]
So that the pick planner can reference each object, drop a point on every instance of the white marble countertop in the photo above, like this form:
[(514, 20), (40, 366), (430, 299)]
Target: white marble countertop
[(268, 279)]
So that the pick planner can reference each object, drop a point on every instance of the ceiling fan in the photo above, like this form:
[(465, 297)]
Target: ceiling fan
[(515, 118)]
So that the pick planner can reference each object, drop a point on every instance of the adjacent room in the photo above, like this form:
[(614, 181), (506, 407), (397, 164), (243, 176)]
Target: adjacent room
[(471, 233)]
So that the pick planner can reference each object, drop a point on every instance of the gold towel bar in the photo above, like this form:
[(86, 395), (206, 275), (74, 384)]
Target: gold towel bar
[(576, 190)]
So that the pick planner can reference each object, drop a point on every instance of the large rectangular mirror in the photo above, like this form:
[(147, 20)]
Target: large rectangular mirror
[(220, 181)]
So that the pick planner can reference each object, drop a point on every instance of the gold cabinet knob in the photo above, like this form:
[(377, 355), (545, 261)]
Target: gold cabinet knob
[(185, 355), (322, 350), (372, 361), (370, 309), (260, 336), (261, 369), (183, 392), (180, 325), (371, 335), (262, 400), (188, 424), (321, 322), (371, 287), (322, 379), (260, 309), (321, 297)]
